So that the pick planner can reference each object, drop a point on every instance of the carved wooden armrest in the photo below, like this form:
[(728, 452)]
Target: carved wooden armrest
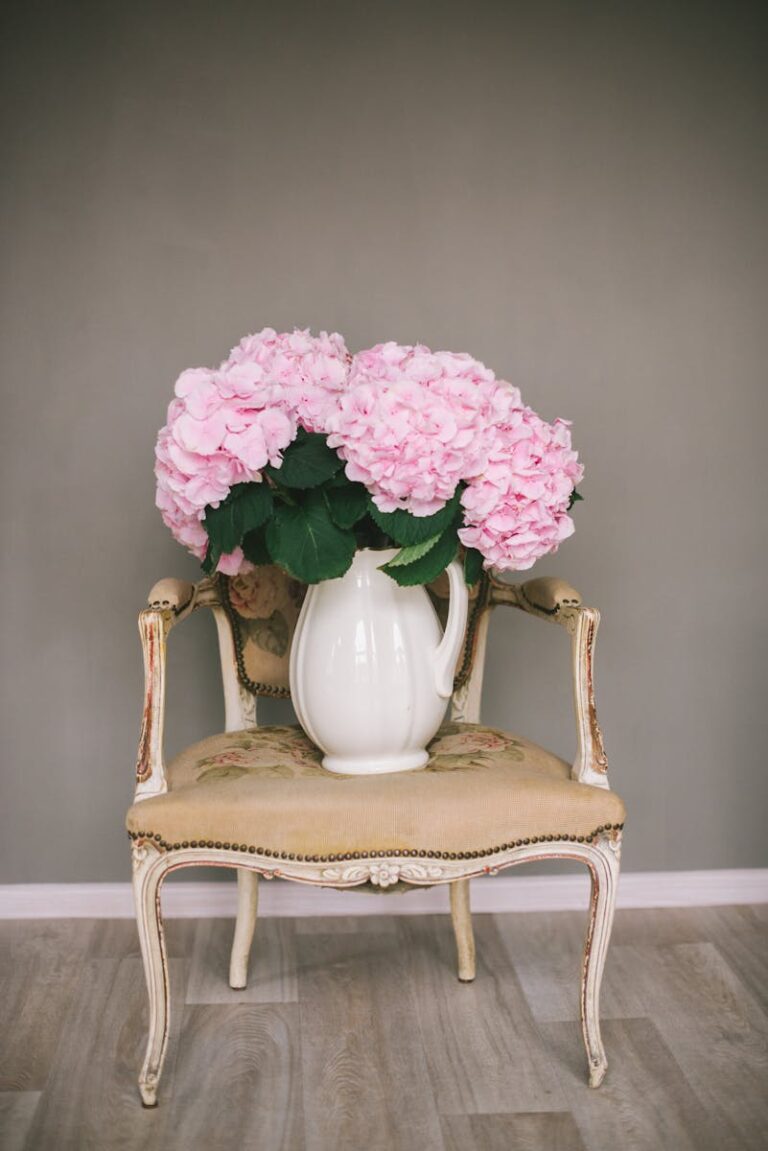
[(175, 594), (548, 597), (555, 600), (170, 601)]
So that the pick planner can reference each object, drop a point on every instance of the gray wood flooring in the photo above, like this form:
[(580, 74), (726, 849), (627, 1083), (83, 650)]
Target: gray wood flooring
[(355, 1035)]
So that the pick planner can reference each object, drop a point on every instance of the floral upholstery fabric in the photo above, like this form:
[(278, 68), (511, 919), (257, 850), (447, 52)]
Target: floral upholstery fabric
[(265, 787), (263, 607)]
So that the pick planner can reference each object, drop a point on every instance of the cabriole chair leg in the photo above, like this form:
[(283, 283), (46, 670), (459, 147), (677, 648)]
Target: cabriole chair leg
[(604, 868), (462, 927), (245, 925), (149, 868)]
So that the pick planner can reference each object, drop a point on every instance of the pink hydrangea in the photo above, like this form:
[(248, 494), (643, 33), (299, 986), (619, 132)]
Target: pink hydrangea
[(312, 370), (226, 424), (409, 423), (413, 423), (517, 510)]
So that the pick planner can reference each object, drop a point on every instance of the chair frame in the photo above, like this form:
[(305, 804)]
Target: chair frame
[(172, 601)]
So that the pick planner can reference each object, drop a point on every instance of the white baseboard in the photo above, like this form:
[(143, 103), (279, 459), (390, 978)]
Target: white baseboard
[(278, 898)]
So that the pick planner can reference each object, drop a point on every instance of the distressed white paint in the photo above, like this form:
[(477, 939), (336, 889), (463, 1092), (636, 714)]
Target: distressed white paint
[(461, 914), (245, 925)]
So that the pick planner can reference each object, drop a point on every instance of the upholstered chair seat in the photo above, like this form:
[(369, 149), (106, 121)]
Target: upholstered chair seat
[(263, 791)]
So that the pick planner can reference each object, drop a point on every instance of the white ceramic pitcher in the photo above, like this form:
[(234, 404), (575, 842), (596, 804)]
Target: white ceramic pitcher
[(371, 669)]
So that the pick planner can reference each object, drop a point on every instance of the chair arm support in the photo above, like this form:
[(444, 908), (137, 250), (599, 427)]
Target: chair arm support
[(555, 600), (170, 601)]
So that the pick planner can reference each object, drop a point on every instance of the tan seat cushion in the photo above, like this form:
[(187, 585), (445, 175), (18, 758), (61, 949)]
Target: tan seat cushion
[(264, 788)]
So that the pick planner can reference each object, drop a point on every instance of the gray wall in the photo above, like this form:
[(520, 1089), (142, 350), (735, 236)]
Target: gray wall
[(573, 192)]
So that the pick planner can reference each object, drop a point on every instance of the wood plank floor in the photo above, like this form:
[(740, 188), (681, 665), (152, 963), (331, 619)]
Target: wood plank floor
[(355, 1035)]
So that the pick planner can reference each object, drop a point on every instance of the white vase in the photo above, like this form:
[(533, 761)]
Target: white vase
[(371, 669)]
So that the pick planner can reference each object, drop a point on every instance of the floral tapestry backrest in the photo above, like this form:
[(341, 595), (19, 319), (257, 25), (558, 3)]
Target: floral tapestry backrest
[(263, 607)]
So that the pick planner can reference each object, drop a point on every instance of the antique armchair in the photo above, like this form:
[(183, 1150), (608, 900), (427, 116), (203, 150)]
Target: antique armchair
[(257, 799)]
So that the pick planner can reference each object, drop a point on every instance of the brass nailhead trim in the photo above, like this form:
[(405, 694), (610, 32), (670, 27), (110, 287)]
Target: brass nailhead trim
[(251, 685), (379, 854), (482, 603)]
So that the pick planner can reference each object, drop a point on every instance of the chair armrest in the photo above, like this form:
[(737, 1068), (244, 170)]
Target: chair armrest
[(548, 597), (170, 601), (555, 600), (175, 594)]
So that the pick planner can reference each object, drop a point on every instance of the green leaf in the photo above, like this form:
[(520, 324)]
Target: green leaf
[(255, 547), (210, 559), (370, 535), (305, 541), (473, 566), (412, 553), (429, 566), (308, 462), (246, 508), (254, 504), (406, 529), (223, 526), (575, 497), (347, 504)]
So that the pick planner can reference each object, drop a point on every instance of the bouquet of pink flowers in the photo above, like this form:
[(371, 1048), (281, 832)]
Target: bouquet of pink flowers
[(293, 452)]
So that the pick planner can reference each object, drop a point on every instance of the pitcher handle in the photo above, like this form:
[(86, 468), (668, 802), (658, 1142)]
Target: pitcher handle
[(448, 652)]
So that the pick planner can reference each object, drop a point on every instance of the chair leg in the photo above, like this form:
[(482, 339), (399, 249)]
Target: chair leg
[(245, 925), (604, 868), (149, 867), (462, 927)]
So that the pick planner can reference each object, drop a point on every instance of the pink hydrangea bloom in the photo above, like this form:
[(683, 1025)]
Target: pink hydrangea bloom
[(413, 423), (225, 425), (312, 370), (409, 423), (517, 510)]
